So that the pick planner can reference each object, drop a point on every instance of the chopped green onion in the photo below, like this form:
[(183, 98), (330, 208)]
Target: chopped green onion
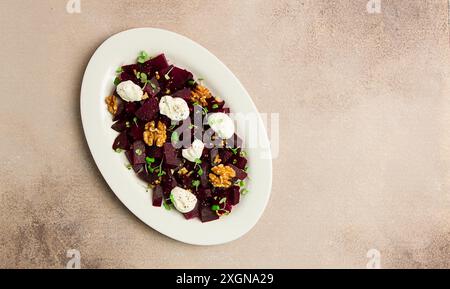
[(166, 205), (234, 150), (241, 184), (117, 81), (215, 106), (215, 207)]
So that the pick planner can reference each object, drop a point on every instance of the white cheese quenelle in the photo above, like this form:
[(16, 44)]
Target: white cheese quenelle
[(222, 124), (194, 152), (129, 91), (183, 200), (174, 108)]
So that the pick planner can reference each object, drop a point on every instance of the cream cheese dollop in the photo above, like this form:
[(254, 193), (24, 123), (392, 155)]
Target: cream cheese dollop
[(174, 108), (222, 124), (129, 91), (194, 152), (183, 200)]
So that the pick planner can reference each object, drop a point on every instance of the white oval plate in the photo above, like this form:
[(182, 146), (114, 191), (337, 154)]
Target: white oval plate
[(98, 79)]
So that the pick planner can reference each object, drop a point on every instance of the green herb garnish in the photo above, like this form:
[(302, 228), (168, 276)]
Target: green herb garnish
[(215, 207), (166, 205), (175, 137), (191, 82), (234, 150), (215, 106), (241, 184), (119, 151), (119, 70), (135, 121), (196, 183), (143, 77), (200, 172), (150, 160), (117, 81), (138, 152), (143, 57), (161, 173), (244, 192)]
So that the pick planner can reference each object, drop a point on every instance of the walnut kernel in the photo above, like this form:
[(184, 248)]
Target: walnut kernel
[(113, 104), (222, 176), (200, 94), (155, 135)]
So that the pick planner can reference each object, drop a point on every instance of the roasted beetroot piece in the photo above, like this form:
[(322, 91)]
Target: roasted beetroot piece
[(170, 156), (206, 213), (136, 168), (120, 125), (131, 108), (240, 174), (148, 110), (234, 195), (120, 114), (224, 110), (135, 132), (240, 162), (205, 167), (121, 142), (138, 152), (155, 152), (168, 183), (155, 64), (157, 196), (146, 177), (204, 194), (225, 155), (192, 214), (178, 78), (184, 93), (152, 88)]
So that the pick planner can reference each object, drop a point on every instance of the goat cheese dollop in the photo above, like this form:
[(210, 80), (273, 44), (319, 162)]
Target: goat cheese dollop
[(129, 91), (222, 124), (174, 108), (194, 152), (183, 200)]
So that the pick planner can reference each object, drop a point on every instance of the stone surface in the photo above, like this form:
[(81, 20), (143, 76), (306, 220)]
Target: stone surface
[(364, 159)]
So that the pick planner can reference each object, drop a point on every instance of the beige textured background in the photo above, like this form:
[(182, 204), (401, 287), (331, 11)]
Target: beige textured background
[(364, 143)]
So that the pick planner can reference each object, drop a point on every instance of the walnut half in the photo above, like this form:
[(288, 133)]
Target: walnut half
[(200, 94), (155, 135), (222, 176), (113, 104)]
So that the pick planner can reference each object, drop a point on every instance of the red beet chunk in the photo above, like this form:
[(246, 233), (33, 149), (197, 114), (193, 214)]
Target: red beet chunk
[(125, 76), (157, 196), (136, 132), (120, 125), (224, 110), (204, 177), (206, 214), (121, 142), (178, 78), (184, 93), (131, 108), (155, 64), (138, 152), (234, 195), (192, 214), (168, 183), (148, 110), (205, 193), (240, 174), (226, 155), (152, 88), (136, 168), (120, 113), (241, 162), (170, 155)]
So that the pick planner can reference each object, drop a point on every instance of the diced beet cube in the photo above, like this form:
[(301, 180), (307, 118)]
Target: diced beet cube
[(170, 155), (240, 174), (234, 195), (204, 177), (205, 193), (145, 176), (168, 183), (120, 125), (224, 110), (157, 196), (206, 214), (178, 78), (130, 68), (131, 107), (155, 64), (138, 152), (155, 152), (192, 214), (120, 113), (136, 168), (225, 155), (152, 88), (121, 142), (125, 76), (136, 132), (148, 110), (241, 162), (184, 93)]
